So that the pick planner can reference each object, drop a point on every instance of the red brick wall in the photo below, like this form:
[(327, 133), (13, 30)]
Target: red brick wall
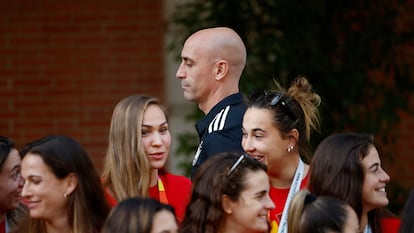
[(63, 66), (401, 167), (401, 163)]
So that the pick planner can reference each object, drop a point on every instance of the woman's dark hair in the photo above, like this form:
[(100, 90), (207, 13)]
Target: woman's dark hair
[(336, 170), (88, 207), (15, 216), (407, 223), (134, 215), (222, 174), (6, 145), (296, 108)]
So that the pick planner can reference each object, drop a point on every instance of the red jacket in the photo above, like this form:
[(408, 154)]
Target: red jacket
[(177, 188)]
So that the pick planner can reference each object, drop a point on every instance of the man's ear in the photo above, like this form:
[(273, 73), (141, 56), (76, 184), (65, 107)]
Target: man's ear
[(227, 204), (71, 183), (221, 69)]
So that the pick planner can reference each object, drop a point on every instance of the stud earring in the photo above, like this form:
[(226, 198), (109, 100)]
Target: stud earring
[(65, 195), (290, 148)]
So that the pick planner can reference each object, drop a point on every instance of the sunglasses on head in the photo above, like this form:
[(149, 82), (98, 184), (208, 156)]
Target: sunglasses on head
[(242, 159), (272, 99)]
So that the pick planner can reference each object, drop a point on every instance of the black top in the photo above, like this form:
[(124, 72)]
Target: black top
[(220, 130)]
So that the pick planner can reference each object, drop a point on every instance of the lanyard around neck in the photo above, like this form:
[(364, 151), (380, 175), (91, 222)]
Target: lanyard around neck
[(367, 229), (294, 188), (162, 193)]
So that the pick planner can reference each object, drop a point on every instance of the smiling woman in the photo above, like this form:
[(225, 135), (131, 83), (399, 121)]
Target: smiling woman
[(240, 201), (276, 131), (62, 188), (11, 184), (347, 166)]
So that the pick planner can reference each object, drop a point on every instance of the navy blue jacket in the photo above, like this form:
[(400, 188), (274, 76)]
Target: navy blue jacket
[(220, 130)]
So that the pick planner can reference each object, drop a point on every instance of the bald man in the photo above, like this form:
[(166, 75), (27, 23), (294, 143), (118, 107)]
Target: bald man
[(213, 60)]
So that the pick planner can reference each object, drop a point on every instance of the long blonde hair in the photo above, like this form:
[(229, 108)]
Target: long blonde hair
[(127, 171)]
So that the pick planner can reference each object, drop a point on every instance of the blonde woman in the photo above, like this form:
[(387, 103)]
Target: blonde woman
[(139, 145)]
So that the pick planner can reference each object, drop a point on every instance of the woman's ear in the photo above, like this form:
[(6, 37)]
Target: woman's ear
[(293, 138), (71, 183), (227, 204)]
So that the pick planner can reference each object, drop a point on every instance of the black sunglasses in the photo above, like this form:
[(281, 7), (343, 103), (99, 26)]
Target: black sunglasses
[(272, 99)]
